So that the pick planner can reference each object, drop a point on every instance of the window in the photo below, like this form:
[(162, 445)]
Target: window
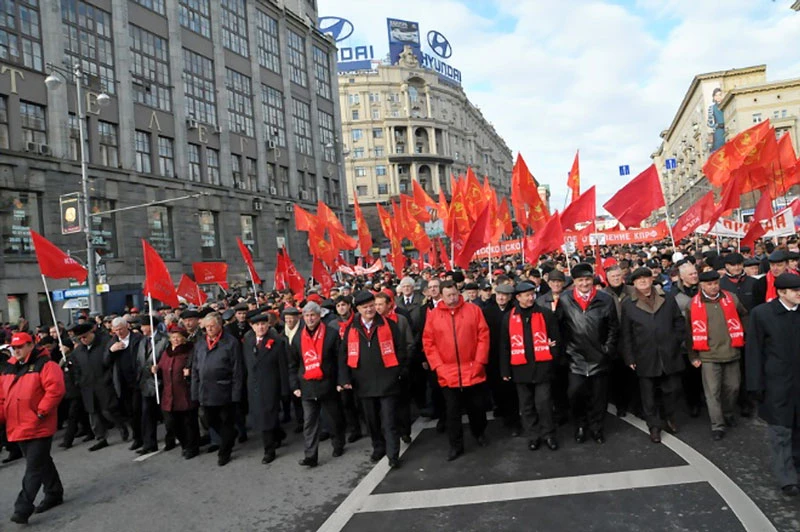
[(234, 26), (374, 97), (326, 135), (166, 157), (269, 51), (19, 212), (297, 59), (283, 181), (377, 133), (209, 243), (236, 170), (322, 71), (251, 181), (271, 182), (73, 125), (379, 151), (393, 97), (249, 234), (353, 98), (212, 164), (757, 118), (103, 228), (4, 122), (152, 5), (358, 153), (158, 221), (301, 121), (361, 190), (109, 143), (361, 171), (335, 192), (33, 123), (380, 170), (240, 102), (357, 134), (87, 36), (151, 84), (383, 188), (21, 33), (196, 16), (193, 156), (142, 144), (198, 75), (272, 107), (311, 187), (354, 114), (376, 114)]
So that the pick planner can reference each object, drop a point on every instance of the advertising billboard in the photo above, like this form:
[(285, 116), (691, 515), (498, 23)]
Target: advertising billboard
[(402, 33)]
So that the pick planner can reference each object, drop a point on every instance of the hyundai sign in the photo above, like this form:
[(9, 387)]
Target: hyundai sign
[(406, 33), (350, 56)]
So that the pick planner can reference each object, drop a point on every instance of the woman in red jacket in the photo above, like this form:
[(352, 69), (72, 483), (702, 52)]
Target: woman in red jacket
[(31, 387), (456, 344)]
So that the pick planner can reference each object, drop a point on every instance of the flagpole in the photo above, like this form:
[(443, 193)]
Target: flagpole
[(199, 297), (153, 343), (52, 312), (666, 215)]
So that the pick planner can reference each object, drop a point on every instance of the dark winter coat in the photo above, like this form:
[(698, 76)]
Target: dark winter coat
[(330, 365), (494, 316), (144, 360), (371, 378), (177, 391), (653, 338), (218, 374), (93, 376), (267, 378), (590, 338), (123, 363), (531, 371), (742, 287)]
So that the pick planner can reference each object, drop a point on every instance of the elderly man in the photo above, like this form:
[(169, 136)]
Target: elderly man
[(773, 376), (623, 382), (683, 291), (218, 381), (147, 386), (313, 363), (764, 290), (503, 392), (291, 324), (121, 358)]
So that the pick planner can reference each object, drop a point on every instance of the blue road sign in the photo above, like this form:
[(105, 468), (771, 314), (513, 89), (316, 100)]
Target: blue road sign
[(624, 170), (670, 164)]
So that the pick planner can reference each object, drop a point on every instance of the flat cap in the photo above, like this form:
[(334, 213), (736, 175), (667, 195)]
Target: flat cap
[(709, 276), (640, 272), (240, 306), (228, 314), (82, 328), (362, 297), (261, 316), (557, 275), (734, 258), (778, 255), (787, 280), (471, 286), (523, 287), (752, 261), (504, 288), (190, 313), (582, 270), (291, 311)]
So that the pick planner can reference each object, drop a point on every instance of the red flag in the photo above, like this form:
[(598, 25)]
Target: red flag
[(319, 247), (341, 241), (581, 210), (638, 199), (210, 273), (785, 170), (328, 218), (474, 198), (281, 276), (364, 236), (321, 275), (248, 260), (754, 231), (303, 220), (476, 240), (157, 280), (731, 196), (444, 257), (296, 281), (550, 238), (694, 217), (190, 291), (733, 153), (413, 210), (386, 222), (763, 208), (574, 180), (443, 209), (423, 201), (458, 215), (55, 263), (503, 226), (528, 190)]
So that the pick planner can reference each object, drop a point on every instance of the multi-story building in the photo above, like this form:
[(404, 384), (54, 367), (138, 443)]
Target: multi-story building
[(234, 99), (401, 123)]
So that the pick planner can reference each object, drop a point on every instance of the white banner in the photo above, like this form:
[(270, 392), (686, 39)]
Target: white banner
[(782, 224)]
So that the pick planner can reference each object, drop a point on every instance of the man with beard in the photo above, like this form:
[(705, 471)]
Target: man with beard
[(503, 392), (683, 292), (121, 358)]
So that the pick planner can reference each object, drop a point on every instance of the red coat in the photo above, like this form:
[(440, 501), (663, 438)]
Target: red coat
[(27, 390), (177, 393), (456, 344)]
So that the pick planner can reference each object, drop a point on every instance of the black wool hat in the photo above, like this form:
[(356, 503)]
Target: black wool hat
[(582, 270), (709, 276), (228, 314), (471, 286), (734, 258), (82, 328), (787, 280), (362, 297), (778, 255), (638, 273), (190, 313), (261, 316)]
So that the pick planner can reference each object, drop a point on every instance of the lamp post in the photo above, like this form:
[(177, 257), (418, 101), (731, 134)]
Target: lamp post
[(54, 82)]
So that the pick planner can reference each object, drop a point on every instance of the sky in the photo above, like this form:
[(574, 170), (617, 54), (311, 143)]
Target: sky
[(602, 76)]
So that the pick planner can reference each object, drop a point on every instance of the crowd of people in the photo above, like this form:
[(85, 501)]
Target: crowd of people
[(644, 328)]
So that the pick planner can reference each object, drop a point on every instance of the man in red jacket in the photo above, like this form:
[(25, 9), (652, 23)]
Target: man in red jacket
[(31, 387), (456, 344)]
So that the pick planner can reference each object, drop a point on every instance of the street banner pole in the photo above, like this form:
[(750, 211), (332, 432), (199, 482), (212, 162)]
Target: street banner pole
[(153, 344)]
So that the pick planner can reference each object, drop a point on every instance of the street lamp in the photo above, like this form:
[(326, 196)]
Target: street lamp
[(53, 82)]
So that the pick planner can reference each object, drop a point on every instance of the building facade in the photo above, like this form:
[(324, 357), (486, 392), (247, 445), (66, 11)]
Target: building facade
[(233, 99)]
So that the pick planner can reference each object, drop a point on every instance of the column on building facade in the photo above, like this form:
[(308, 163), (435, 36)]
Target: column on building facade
[(427, 93), (57, 106), (294, 186), (259, 125), (316, 142), (178, 94), (124, 89), (223, 122)]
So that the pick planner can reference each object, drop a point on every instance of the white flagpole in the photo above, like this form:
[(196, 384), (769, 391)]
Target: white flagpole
[(153, 344), (250, 274), (52, 312)]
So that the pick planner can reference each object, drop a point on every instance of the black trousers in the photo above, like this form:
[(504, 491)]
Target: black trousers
[(536, 399), (76, 414), (559, 391), (623, 387), (589, 399), (471, 398), (151, 412), (184, 425), (693, 386), (381, 414), (130, 401), (350, 407), (40, 471), (223, 420), (670, 386), (437, 396), (312, 412)]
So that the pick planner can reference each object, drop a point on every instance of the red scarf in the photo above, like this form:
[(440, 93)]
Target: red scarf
[(311, 347), (541, 345), (578, 299), (212, 342), (699, 316), (385, 341), (344, 324), (771, 292), (391, 315)]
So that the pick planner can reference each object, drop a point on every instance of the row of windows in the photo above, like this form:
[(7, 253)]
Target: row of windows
[(20, 33), (362, 190)]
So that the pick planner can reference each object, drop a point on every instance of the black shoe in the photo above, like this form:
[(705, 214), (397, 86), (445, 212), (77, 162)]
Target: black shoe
[(123, 431), (169, 446), (376, 456), (87, 438), (552, 443), (19, 519), (102, 444), (299, 428), (212, 448), (242, 438), (533, 445), (747, 411), (394, 463), (406, 439), (717, 435), (269, 457), (308, 462), (730, 421), (147, 450), (337, 452), (324, 436), (191, 454), (135, 445), (204, 440), (655, 434), (516, 432), (65, 445), (47, 504), (792, 490), (441, 425), (598, 437), (671, 427), (223, 459), (354, 437), (694, 411), (622, 412), (482, 440), (454, 453), (11, 457), (580, 434)]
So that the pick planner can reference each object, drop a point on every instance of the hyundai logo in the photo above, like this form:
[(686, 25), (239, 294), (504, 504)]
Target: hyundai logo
[(439, 44), (340, 28)]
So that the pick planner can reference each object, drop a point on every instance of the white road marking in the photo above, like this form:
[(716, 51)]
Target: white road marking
[(146, 456)]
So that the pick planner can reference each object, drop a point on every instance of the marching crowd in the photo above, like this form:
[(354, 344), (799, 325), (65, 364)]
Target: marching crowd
[(645, 328)]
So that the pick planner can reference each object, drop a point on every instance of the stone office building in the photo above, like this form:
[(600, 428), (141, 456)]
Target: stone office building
[(234, 99)]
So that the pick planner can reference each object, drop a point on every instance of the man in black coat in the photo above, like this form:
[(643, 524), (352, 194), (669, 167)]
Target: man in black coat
[(413, 304), (313, 365), (652, 333), (238, 327), (218, 382), (529, 343), (266, 360), (503, 392), (121, 358), (764, 290), (589, 327), (373, 362), (772, 350), (624, 386)]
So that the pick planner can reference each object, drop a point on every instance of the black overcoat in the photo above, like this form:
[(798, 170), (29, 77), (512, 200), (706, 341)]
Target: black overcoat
[(267, 378), (653, 338)]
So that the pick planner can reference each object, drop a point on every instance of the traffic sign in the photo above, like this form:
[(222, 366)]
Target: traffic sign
[(624, 170), (670, 164)]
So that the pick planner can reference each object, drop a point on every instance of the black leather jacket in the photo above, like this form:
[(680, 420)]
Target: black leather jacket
[(590, 338)]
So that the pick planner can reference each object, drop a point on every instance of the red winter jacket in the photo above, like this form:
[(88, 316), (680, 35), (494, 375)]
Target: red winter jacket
[(456, 344), (27, 390)]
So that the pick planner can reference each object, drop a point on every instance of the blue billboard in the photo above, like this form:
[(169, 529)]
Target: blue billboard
[(349, 56), (402, 33)]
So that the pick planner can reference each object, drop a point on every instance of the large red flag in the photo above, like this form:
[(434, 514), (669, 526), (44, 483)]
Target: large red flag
[(55, 263), (364, 236), (296, 282), (574, 180), (248, 260), (474, 198), (386, 222), (528, 190), (443, 209), (550, 238), (190, 291), (321, 275), (785, 170), (281, 279), (694, 217), (581, 210), (763, 209), (303, 220), (413, 210), (503, 222), (731, 197), (638, 199), (443, 257), (423, 201), (327, 217), (732, 154), (157, 280), (754, 231), (473, 242), (211, 273), (319, 247), (459, 214)]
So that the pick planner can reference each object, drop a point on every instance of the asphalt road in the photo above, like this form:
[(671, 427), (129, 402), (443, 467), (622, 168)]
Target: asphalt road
[(687, 483)]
